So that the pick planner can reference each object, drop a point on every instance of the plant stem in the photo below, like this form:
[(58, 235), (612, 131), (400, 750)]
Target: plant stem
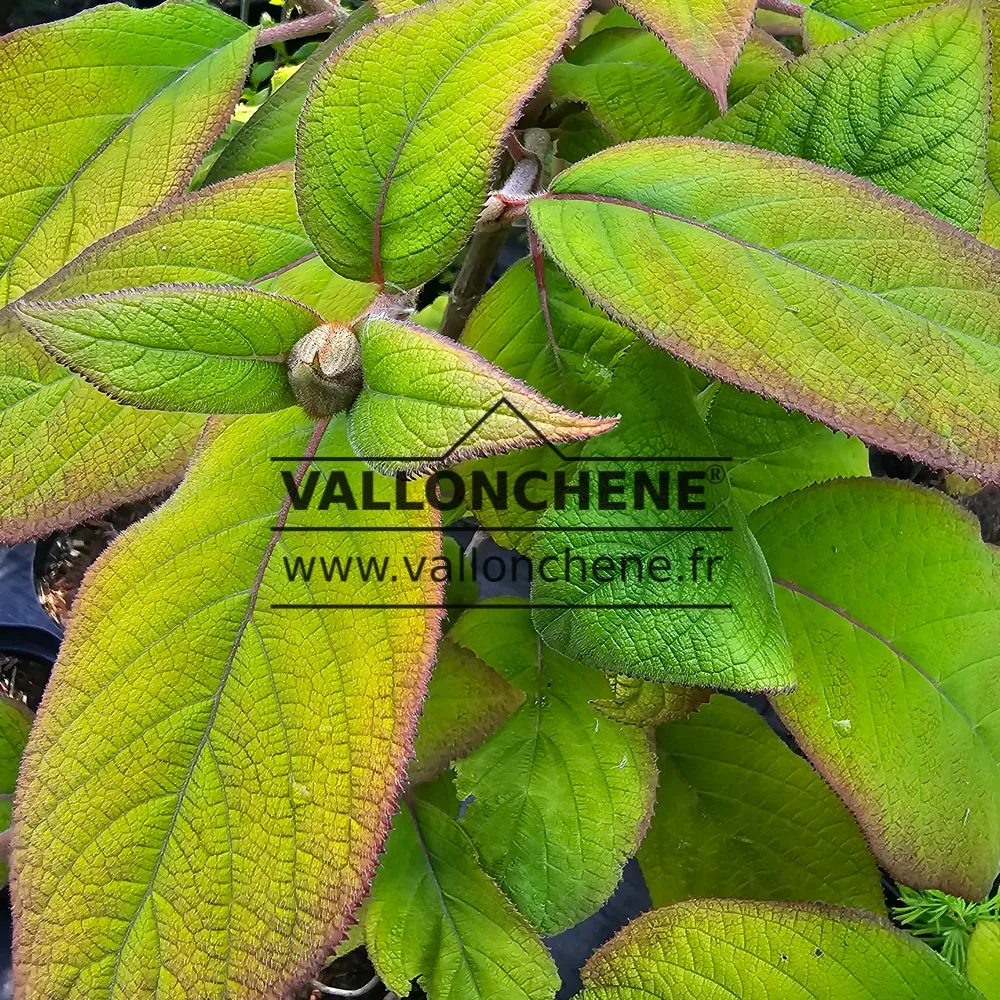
[(301, 27), (782, 7), (470, 283)]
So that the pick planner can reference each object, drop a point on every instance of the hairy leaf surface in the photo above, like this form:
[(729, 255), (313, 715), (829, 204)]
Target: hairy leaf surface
[(572, 367), (211, 775), (892, 606), (192, 348), (437, 917), (15, 724), (637, 88), (466, 701), (776, 451), (706, 35), (732, 950), (645, 703), (402, 127), (269, 136), (740, 816), (867, 313), (427, 399), (69, 451), (97, 132), (655, 620), (241, 231), (562, 794), (904, 106), (827, 21)]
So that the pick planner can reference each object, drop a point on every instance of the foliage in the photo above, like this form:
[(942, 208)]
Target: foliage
[(281, 707), (944, 922)]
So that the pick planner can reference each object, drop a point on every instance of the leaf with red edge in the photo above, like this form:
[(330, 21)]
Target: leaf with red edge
[(794, 281), (401, 131), (891, 603), (211, 775), (428, 402), (706, 35)]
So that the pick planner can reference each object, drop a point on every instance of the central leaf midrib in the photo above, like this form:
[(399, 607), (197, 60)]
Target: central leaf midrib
[(377, 226), (82, 169), (898, 653), (308, 453), (956, 334)]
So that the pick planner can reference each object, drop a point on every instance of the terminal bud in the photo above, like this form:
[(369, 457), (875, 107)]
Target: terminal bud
[(324, 370)]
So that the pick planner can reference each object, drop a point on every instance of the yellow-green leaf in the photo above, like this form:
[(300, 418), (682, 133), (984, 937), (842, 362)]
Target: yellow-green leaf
[(436, 917), (828, 21), (427, 399), (15, 724), (212, 773), (740, 816), (269, 136), (466, 701), (105, 116), (402, 127), (68, 451), (706, 35), (732, 950), (776, 450), (983, 963), (868, 313), (645, 587), (561, 794), (192, 348), (637, 88), (891, 603), (636, 702), (924, 140)]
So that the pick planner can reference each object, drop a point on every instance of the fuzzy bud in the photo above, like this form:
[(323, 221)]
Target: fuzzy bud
[(324, 370)]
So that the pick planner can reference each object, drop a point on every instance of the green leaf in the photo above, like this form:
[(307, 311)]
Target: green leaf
[(634, 702), (238, 232), (651, 608), (106, 116), (573, 368), (891, 603), (983, 967), (827, 21), (401, 130), (990, 228), (637, 88), (904, 106), (436, 917), (706, 35), (562, 795), (427, 399), (868, 313), (241, 231), (466, 701), (193, 348), (733, 950), (269, 136), (389, 7), (209, 785), (69, 451), (312, 283), (776, 451), (740, 816), (575, 365), (15, 724)]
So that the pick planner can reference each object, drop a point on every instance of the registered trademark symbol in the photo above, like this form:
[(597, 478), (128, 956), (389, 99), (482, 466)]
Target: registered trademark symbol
[(716, 473)]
